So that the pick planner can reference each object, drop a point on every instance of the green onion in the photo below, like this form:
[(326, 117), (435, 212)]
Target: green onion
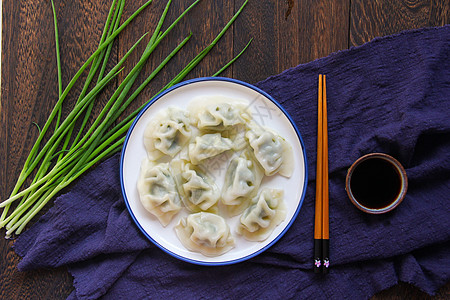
[(56, 164), (35, 149), (58, 62)]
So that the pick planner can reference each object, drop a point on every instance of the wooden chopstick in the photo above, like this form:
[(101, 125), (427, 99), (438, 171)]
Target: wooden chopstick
[(321, 223), (325, 221), (318, 212)]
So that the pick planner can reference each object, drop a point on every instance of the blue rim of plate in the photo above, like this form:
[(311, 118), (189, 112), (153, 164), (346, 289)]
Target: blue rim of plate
[(180, 257)]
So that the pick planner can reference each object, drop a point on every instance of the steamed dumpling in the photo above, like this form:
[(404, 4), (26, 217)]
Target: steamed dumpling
[(242, 180), (217, 113), (157, 191), (167, 133), (207, 146), (272, 151), (198, 191), (206, 233), (237, 136), (264, 214)]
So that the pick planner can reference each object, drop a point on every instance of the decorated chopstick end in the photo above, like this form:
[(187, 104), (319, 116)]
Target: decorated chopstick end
[(317, 255), (326, 256), (326, 265)]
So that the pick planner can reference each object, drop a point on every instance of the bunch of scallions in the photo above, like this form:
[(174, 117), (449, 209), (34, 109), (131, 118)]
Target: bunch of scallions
[(71, 149)]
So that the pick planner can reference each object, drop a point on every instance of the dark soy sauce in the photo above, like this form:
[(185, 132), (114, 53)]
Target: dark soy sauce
[(375, 183)]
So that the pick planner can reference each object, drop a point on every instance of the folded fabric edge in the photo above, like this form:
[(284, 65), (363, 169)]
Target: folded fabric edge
[(98, 292), (409, 267)]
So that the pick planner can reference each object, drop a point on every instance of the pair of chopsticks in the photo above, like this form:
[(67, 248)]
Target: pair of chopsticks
[(321, 230)]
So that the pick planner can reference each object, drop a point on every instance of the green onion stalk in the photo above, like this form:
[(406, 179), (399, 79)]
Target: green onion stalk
[(65, 157)]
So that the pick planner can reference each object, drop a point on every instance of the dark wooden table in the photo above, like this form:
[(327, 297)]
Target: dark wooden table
[(285, 33)]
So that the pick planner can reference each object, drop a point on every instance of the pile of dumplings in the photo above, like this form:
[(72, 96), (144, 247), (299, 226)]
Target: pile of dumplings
[(174, 175)]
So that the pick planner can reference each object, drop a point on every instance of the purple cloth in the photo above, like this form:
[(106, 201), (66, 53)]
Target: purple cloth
[(390, 95)]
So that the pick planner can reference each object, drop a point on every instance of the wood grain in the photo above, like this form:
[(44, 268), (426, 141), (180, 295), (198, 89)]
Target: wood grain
[(370, 19), (285, 33)]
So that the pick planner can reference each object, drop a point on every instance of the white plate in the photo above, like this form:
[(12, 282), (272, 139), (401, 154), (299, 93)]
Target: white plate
[(267, 112)]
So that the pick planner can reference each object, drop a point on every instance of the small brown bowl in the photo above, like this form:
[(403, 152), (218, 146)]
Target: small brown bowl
[(376, 183)]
